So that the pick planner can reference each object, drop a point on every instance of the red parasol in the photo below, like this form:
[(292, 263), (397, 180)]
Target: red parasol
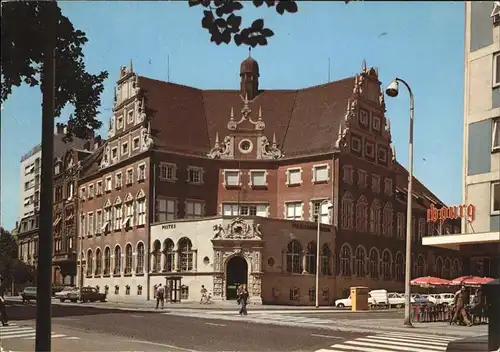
[(429, 281), (471, 280)]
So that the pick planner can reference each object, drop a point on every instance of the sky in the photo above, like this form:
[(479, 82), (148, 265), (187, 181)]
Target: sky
[(421, 42)]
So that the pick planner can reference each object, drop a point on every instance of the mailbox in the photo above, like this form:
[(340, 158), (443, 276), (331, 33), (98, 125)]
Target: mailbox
[(359, 298)]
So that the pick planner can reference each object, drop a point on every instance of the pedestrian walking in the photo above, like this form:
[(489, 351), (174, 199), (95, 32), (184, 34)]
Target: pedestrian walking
[(459, 303), (203, 292), (243, 299), (3, 311), (160, 296)]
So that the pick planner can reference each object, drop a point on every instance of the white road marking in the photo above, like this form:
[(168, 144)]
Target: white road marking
[(172, 347), (407, 349), (137, 316), (215, 324), (328, 336)]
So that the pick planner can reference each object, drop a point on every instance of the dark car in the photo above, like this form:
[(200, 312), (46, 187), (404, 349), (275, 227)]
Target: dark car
[(469, 344), (89, 294), (29, 294)]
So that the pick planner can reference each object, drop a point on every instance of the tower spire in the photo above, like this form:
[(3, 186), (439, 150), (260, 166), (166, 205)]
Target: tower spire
[(249, 51)]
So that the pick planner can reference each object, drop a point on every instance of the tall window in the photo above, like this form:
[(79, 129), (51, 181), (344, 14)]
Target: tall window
[(156, 256), (118, 260), (447, 269), (165, 210), (107, 260), (399, 267), (98, 261), (345, 260), (141, 212), (325, 260), (362, 214), (455, 269), (194, 210), (496, 134), (140, 258), (320, 210), (360, 267), (387, 221), (118, 217), (439, 267), (495, 198), (90, 262), (293, 256), (129, 214), (374, 262), (401, 225), (195, 175), (294, 211), (420, 266), (168, 250), (186, 254), (375, 217), (386, 265), (311, 258), (347, 215), (128, 259)]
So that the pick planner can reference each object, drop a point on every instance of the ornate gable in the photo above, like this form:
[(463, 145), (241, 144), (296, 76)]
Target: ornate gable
[(107, 204), (118, 201), (128, 198), (140, 194), (238, 229)]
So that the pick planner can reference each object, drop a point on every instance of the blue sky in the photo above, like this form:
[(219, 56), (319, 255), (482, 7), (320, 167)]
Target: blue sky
[(423, 44)]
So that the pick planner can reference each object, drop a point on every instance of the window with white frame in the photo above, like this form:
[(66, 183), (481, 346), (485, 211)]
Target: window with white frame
[(496, 69), (99, 188), (232, 178), (109, 184), (348, 174), (130, 116), (114, 153), (388, 186), (107, 220), (253, 210), (119, 122), (495, 198), (136, 143), (118, 217), (118, 180), (194, 209), (82, 225), (141, 212), (125, 148), (362, 178), (129, 177), (400, 225), (294, 176), (167, 171), (90, 227), (320, 173), (141, 172), (82, 193), (230, 210), (195, 175), (128, 221), (166, 209), (496, 135), (319, 208), (293, 211), (98, 221), (258, 178), (91, 191)]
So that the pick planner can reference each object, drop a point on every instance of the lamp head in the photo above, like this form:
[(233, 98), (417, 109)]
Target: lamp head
[(392, 89)]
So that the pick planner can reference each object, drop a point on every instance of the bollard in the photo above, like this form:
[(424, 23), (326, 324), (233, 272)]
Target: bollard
[(492, 292)]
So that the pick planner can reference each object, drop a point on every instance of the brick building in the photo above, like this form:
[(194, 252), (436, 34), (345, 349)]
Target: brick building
[(177, 152)]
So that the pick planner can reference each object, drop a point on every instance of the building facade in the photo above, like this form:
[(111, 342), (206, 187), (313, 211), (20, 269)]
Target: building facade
[(270, 157), (480, 237)]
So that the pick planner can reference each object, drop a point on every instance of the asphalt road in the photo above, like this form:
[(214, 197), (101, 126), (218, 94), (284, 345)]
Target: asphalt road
[(193, 334)]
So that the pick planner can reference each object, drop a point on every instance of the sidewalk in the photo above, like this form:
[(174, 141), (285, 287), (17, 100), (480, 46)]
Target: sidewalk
[(88, 342)]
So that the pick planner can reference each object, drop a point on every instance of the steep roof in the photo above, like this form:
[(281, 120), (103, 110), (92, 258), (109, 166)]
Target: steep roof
[(305, 121)]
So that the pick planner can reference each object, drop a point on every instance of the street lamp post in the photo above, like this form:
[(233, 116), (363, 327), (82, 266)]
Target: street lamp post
[(392, 91), (318, 248)]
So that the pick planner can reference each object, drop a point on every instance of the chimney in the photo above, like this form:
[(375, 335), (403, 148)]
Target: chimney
[(59, 128)]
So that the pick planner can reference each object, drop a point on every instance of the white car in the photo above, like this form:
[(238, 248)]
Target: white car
[(63, 295), (419, 299), (396, 299), (347, 302)]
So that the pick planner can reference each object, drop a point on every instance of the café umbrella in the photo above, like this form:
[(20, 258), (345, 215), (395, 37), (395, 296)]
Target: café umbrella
[(429, 281), (471, 281)]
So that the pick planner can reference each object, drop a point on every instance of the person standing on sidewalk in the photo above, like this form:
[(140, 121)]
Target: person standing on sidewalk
[(459, 303), (243, 300), (203, 292), (160, 296), (3, 312)]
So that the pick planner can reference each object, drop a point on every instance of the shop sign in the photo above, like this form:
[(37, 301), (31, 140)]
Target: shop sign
[(455, 212), (305, 226), (168, 227)]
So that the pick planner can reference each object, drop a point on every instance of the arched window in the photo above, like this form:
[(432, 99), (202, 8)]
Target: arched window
[(347, 215), (90, 262), (360, 267), (311, 258), (140, 258), (420, 266), (375, 217), (362, 214), (447, 269), (107, 260), (186, 254), (399, 266), (156, 256), (98, 261), (293, 254), (128, 259), (386, 264), (387, 221), (325, 260), (439, 267), (345, 260), (455, 269), (374, 262), (168, 250), (118, 260)]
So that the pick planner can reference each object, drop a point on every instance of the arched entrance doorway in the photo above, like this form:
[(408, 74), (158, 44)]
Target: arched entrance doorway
[(236, 274)]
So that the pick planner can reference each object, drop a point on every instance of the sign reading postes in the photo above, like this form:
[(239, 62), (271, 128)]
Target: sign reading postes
[(456, 212), (303, 226), (168, 227)]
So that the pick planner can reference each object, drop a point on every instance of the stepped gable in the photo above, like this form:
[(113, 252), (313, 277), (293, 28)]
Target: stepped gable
[(305, 121)]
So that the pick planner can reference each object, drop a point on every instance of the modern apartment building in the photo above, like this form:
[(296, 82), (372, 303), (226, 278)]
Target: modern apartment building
[(480, 237), (30, 182)]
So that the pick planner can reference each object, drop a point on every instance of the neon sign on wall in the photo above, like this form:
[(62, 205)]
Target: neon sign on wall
[(456, 212)]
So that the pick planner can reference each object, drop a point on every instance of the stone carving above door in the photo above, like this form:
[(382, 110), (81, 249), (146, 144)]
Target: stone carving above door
[(238, 229)]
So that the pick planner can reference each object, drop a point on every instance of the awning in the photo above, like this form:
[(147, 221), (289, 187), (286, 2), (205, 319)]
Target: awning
[(57, 221), (125, 222), (103, 228)]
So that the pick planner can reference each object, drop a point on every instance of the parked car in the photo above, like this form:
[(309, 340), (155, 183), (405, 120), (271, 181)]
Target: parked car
[(56, 288), (63, 294), (89, 294), (441, 298), (347, 302), (419, 299), (380, 297), (396, 299), (29, 294)]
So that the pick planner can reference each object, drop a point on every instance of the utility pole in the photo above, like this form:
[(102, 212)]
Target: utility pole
[(44, 279)]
